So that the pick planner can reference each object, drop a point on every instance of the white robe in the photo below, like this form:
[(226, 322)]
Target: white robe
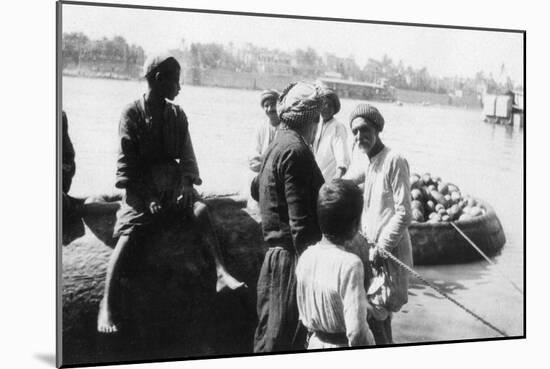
[(265, 133), (331, 295), (387, 208), (331, 148)]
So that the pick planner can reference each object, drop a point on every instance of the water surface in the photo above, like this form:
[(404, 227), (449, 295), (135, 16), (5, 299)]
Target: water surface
[(483, 160)]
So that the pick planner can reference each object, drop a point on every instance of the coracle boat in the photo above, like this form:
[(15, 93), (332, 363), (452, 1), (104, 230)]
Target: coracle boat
[(441, 243), (170, 307), (171, 288)]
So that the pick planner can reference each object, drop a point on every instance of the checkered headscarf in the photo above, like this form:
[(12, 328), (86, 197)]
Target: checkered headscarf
[(299, 104), (268, 95)]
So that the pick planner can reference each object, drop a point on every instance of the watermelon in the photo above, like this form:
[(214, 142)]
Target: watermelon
[(417, 215)]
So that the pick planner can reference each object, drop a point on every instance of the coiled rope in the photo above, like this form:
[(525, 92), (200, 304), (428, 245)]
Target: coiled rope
[(442, 293)]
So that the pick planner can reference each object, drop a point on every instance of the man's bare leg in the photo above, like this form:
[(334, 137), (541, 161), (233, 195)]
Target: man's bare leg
[(225, 280), (105, 322)]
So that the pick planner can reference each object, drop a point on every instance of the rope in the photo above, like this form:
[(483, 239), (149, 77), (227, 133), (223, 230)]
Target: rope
[(437, 289), (486, 257)]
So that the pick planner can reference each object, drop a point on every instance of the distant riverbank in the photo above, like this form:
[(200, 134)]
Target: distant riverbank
[(261, 81), (97, 74)]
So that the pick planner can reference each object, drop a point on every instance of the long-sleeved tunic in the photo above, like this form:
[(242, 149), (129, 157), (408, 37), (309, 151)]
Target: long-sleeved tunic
[(265, 133), (154, 156), (331, 148), (288, 186), (289, 183), (331, 294), (387, 210)]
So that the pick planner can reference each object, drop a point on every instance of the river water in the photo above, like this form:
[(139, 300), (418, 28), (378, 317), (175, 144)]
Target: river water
[(483, 160)]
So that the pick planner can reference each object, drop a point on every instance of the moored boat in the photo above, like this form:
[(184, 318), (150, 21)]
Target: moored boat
[(432, 243), (440, 243), (170, 307)]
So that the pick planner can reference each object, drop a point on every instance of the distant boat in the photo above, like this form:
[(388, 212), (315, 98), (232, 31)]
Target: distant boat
[(504, 109), (359, 90)]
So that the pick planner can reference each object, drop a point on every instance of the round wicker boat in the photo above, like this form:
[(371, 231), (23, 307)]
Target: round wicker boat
[(440, 243), (169, 306)]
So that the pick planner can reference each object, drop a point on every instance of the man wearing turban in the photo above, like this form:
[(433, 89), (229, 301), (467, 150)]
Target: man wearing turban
[(265, 132), (385, 219), (287, 187), (331, 140), (157, 170)]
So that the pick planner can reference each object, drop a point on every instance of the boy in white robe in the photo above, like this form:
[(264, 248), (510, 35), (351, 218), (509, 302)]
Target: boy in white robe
[(332, 301)]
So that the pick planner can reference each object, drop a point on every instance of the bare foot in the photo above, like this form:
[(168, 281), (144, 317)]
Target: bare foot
[(104, 322), (226, 280)]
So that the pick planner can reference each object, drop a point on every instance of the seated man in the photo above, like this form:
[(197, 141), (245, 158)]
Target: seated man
[(331, 296), (157, 169)]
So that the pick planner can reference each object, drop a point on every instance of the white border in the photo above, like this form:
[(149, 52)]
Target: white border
[(28, 163)]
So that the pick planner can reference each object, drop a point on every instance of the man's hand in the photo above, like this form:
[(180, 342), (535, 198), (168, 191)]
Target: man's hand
[(186, 197), (379, 253), (154, 207), (340, 171), (376, 254)]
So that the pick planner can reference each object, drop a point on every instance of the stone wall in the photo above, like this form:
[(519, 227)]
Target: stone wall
[(244, 80)]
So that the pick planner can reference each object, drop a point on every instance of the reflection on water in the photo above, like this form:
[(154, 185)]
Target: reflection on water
[(447, 287), (484, 160), (451, 285)]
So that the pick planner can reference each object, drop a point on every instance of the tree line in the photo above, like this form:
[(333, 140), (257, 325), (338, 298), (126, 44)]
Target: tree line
[(77, 48), (306, 63)]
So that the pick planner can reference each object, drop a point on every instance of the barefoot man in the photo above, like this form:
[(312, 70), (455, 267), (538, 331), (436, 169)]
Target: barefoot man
[(157, 169)]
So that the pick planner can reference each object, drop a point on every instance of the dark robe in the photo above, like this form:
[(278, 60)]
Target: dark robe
[(67, 156), (287, 186), (154, 156)]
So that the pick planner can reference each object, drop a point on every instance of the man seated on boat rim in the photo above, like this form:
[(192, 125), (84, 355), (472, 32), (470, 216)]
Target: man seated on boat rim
[(386, 216), (331, 296), (157, 169)]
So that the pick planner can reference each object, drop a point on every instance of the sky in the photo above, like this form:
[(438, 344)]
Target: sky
[(444, 52)]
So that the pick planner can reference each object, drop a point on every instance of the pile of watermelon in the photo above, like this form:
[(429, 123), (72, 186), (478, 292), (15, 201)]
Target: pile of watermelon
[(435, 201)]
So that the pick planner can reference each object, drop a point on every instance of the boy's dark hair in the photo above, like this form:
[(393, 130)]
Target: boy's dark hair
[(339, 208)]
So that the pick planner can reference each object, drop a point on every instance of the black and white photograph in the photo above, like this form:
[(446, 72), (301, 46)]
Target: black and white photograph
[(239, 183)]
